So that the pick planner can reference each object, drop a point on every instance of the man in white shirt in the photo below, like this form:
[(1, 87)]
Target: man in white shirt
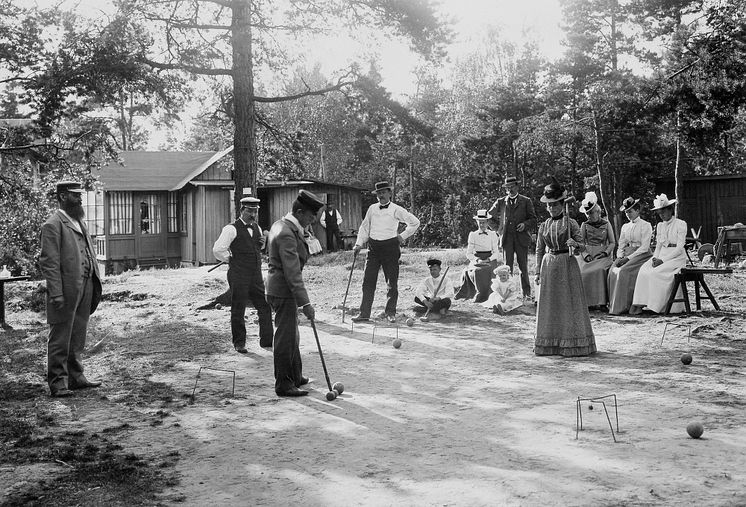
[(239, 245), (425, 294), (330, 220), (380, 229)]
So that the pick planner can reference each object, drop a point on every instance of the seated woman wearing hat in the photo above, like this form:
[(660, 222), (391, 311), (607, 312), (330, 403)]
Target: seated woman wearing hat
[(632, 252), (563, 325), (597, 246), (655, 280), (482, 250)]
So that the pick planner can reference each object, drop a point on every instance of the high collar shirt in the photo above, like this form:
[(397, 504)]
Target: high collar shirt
[(381, 224), (222, 247), (670, 238), (634, 238), (483, 241), (427, 288)]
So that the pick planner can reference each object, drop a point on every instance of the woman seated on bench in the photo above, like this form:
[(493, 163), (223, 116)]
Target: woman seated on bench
[(656, 277)]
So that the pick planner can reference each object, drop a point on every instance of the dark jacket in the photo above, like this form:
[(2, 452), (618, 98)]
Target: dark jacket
[(288, 253), (506, 217), (61, 262)]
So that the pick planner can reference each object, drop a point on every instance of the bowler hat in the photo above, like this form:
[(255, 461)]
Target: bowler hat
[(309, 201), (510, 180), (250, 202), (433, 262), (661, 201), (381, 185), (554, 192), (482, 215), (70, 186), (628, 203)]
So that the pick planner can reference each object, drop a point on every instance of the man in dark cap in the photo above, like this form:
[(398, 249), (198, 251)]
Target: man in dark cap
[(288, 253), (380, 229), (68, 263), (240, 245), (514, 217)]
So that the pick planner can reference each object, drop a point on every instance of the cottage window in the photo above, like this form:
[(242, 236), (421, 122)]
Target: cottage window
[(173, 212), (93, 204), (120, 212), (150, 214)]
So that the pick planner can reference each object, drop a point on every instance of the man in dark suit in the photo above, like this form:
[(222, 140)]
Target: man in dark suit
[(514, 217), (240, 245), (288, 253), (68, 263)]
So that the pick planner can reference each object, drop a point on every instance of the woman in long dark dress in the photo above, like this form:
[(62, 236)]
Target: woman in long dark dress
[(563, 325)]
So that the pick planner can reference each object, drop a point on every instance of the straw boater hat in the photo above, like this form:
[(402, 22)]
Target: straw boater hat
[(554, 192), (589, 203), (381, 185), (661, 201), (482, 215), (628, 203), (510, 180)]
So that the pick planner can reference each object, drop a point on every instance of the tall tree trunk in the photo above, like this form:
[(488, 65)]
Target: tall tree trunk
[(678, 177), (244, 142)]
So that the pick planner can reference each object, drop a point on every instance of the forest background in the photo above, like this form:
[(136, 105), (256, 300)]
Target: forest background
[(643, 89)]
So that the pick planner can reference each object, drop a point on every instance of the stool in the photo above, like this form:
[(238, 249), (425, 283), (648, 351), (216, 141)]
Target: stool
[(696, 275)]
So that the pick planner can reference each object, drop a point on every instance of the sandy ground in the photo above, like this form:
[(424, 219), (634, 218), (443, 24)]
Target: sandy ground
[(462, 414)]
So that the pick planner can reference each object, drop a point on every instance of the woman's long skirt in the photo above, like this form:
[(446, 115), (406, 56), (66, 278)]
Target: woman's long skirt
[(621, 283), (594, 275)]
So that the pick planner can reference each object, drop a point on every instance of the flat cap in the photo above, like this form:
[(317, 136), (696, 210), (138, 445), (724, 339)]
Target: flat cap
[(250, 202), (434, 262), (309, 201), (70, 186)]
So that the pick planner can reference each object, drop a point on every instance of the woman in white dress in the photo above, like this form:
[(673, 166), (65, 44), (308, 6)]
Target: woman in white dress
[(632, 252), (655, 280), (506, 295), (482, 250)]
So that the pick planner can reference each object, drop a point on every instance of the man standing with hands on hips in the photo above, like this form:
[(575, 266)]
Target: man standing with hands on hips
[(380, 229), (288, 253), (240, 245), (68, 263), (514, 218)]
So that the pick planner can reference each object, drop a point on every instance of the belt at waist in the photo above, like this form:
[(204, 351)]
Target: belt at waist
[(383, 240), (561, 251), (670, 245)]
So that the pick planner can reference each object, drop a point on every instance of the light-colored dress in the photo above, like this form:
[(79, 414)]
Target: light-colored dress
[(507, 290), (314, 245), (563, 325), (634, 243), (482, 250), (598, 238), (654, 285)]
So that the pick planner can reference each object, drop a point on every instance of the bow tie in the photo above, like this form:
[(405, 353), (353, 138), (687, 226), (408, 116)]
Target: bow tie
[(384, 206), (485, 233)]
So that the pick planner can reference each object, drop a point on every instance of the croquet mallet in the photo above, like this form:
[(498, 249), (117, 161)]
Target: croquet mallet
[(349, 280), (437, 289)]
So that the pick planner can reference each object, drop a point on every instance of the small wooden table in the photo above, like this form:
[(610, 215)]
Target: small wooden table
[(696, 275), (3, 281)]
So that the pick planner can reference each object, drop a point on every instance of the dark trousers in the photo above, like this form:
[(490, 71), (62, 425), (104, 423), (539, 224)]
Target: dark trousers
[(381, 254), (243, 291), (334, 240), (511, 247), (288, 366), (441, 304), (66, 343)]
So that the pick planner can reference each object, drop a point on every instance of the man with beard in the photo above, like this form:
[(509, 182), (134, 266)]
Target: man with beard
[(68, 263), (240, 245)]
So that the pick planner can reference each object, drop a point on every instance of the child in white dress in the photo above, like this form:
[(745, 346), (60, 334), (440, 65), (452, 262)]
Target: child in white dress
[(506, 295)]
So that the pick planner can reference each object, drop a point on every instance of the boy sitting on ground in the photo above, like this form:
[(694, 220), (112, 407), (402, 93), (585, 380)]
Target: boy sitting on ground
[(505, 294), (435, 292)]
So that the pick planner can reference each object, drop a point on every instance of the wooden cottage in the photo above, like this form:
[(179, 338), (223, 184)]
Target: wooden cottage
[(168, 208)]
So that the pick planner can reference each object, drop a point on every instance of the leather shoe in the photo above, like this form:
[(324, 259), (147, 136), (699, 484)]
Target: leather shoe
[(360, 319), (265, 345), (62, 393), (85, 384), (293, 391), (391, 318), (242, 350)]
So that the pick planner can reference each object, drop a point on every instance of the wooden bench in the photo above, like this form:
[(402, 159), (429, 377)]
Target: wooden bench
[(696, 275)]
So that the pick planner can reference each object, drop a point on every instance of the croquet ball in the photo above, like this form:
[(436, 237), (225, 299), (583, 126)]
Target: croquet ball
[(590, 407), (397, 343), (218, 306), (331, 395), (339, 387), (695, 429), (410, 322), (686, 358)]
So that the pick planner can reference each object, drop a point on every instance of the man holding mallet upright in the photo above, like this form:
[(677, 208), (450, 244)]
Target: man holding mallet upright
[(380, 229)]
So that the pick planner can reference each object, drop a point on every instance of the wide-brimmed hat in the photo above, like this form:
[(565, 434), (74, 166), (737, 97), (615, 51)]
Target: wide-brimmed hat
[(589, 203), (510, 180), (628, 203), (554, 192), (661, 201), (250, 202), (482, 215), (434, 262), (309, 201), (70, 186), (381, 185)]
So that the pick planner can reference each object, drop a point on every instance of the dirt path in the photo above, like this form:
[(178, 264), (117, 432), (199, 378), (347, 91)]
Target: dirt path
[(462, 414)]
